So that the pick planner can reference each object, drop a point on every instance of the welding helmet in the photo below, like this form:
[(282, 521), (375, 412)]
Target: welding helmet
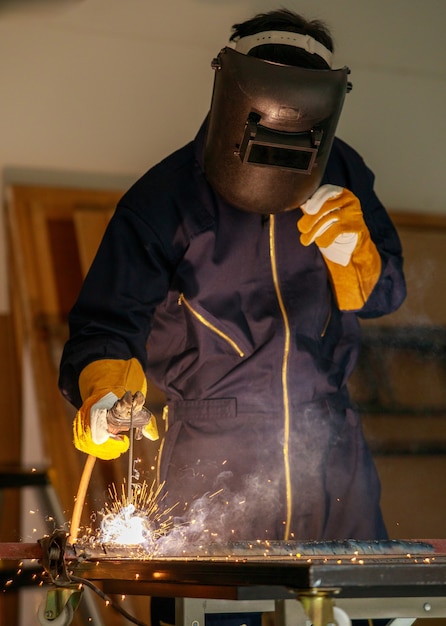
[(270, 128)]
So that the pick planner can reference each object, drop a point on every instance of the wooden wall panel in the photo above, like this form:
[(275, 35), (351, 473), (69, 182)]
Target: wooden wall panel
[(10, 401), (10, 427)]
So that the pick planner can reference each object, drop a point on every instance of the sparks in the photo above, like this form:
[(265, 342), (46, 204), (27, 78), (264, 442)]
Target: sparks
[(126, 528), (215, 493), (134, 520)]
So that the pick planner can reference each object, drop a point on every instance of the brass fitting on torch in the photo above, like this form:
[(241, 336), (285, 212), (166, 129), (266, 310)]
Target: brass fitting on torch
[(319, 606)]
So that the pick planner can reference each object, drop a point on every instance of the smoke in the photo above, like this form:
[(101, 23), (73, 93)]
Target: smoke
[(221, 517)]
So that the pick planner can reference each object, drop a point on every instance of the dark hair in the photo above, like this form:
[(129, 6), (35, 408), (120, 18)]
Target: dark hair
[(284, 19)]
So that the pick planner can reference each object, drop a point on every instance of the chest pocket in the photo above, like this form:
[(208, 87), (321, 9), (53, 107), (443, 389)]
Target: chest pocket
[(228, 336)]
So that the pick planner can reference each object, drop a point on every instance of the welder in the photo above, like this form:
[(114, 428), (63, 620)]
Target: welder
[(233, 274)]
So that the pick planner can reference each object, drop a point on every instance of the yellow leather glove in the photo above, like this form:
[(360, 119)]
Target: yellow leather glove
[(333, 220), (101, 384)]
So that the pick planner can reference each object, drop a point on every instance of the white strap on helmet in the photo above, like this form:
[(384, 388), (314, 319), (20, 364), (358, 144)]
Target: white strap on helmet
[(305, 42)]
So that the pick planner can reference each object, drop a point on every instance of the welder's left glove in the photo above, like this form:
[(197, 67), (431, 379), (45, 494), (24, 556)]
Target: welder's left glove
[(333, 220)]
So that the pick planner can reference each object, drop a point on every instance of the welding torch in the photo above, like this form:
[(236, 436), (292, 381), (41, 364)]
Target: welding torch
[(127, 414)]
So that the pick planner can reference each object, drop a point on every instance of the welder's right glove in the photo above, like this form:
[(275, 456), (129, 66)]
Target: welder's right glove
[(111, 390)]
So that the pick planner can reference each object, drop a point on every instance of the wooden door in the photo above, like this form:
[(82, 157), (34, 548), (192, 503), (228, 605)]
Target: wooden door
[(50, 251), (53, 235)]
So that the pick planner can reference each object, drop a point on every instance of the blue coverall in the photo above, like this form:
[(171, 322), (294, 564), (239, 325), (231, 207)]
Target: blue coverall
[(236, 322)]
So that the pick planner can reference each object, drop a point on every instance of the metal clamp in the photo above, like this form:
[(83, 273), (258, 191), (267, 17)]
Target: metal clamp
[(63, 596)]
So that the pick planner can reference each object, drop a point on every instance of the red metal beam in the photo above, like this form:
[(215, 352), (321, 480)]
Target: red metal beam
[(20, 551)]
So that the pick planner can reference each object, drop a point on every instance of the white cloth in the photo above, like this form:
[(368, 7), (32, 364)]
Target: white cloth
[(341, 249), (98, 417)]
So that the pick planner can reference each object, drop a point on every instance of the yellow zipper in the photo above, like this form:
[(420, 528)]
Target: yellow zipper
[(327, 321), (203, 320), (286, 351)]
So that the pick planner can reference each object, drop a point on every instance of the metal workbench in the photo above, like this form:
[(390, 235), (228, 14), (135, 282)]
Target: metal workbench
[(297, 584)]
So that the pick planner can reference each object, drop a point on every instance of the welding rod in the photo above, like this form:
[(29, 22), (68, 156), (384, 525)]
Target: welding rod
[(130, 467)]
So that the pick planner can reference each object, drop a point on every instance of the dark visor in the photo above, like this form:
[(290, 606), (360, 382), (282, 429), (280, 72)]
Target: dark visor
[(272, 148)]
